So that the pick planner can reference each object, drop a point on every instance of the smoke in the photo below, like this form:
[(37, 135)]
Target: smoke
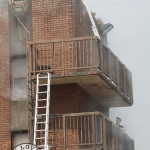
[(18, 78)]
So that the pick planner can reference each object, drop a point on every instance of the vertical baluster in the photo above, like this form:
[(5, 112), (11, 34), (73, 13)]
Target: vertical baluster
[(40, 55), (81, 128), (43, 57), (63, 59), (34, 59), (101, 58), (93, 131), (64, 131), (77, 127), (72, 56), (79, 55), (109, 66), (55, 129), (101, 129), (74, 129), (91, 56), (53, 54), (85, 128), (88, 130), (117, 73), (96, 127), (104, 132), (112, 136), (59, 130), (83, 54), (125, 81), (70, 130), (47, 56)]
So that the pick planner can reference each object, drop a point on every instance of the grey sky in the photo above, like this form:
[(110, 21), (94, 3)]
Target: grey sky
[(130, 41)]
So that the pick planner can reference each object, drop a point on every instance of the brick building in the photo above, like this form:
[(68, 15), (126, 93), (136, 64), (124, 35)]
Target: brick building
[(87, 77)]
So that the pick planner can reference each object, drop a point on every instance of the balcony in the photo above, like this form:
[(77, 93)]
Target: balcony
[(86, 61), (90, 131)]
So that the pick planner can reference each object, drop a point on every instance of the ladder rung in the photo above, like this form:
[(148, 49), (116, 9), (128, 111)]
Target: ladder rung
[(43, 92), (42, 99), (41, 107), (43, 84), (40, 138), (40, 122), (40, 130), (41, 115), (43, 77), (40, 145)]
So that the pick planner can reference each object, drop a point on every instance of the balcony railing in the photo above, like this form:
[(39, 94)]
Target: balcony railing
[(90, 130), (79, 56)]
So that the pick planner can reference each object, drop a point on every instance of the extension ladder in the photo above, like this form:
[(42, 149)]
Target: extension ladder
[(94, 28), (38, 116)]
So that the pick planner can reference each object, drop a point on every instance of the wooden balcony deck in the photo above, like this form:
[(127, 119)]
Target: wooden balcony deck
[(86, 61), (89, 130)]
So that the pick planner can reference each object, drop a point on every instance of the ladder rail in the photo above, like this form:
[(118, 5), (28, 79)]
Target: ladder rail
[(94, 28), (36, 105), (46, 114)]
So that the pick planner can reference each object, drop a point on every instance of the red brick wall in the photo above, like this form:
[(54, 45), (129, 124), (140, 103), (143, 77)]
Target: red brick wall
[(5, 134), (71, 98), (64, 99), (55, 19)]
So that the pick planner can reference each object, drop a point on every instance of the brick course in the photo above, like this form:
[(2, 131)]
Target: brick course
[(5, 134)]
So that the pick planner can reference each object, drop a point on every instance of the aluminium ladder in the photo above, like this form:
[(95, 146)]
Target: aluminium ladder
[(38, 116), (94, 28)]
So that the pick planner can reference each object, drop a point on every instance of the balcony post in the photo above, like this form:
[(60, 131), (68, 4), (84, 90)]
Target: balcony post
[(124, 80), (117, 73), (101, 57), (131, 88), (120, 141), (63, 60), (112, 137), (91, 56), (93, 128), (64, 131), (109, 66), (104, 132)]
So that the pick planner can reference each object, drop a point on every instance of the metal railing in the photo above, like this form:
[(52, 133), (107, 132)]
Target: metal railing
[(80, 56), (89, 130)]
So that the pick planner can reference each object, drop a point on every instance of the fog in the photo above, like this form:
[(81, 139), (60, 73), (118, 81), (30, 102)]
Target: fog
[(130, 41)]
